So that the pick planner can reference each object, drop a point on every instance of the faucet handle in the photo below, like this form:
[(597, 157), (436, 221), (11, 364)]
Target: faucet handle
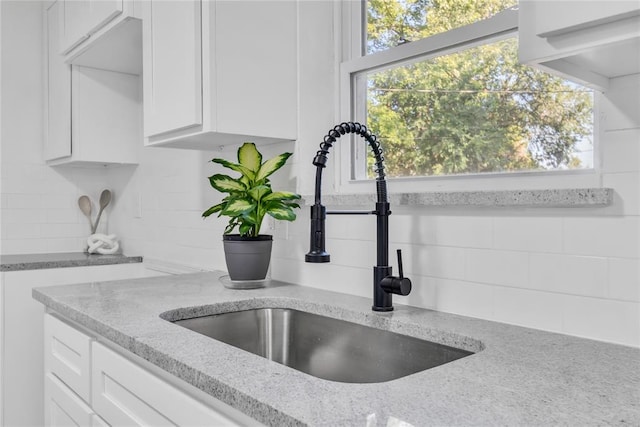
[(397, 285), (399, 252)]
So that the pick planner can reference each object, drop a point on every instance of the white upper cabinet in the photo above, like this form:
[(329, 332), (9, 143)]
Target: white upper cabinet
[(84, 24), (587, 41), (58, 96), (219, 72), (81, 18), (92, 116), (172, 53)]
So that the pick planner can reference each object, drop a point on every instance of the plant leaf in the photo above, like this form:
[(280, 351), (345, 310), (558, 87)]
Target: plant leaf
[(282, 212), (213, 209), (259, 192), (281, 195), (237, 207), (233, 222), (236, 167), (271, 165), (226, 184), (249, 156), (292, 205)]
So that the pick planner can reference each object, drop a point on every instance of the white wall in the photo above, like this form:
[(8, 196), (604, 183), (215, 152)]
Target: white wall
[(574, 271), (38, 204)]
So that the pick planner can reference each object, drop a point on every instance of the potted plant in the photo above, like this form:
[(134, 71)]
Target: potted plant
[(248, 199)]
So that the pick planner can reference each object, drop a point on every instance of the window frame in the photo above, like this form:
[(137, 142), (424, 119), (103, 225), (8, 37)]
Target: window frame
[(351, 173)]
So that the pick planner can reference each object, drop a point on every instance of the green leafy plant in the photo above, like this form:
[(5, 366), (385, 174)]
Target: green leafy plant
[(250, 197)]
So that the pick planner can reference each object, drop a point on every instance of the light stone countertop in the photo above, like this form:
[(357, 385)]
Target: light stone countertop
[(518, 376), (21, 262), (548, 198)]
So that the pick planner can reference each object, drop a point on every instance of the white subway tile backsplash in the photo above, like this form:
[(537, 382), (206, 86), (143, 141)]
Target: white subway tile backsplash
[(22, 246), (355, 227), (624, 279), (434, 261), (71, 230), (519, 233), (65, 216), (570, 274), (424, 293), (524, 307), (58, 201), (331, 277), (466, 298), (63, 244), (413, 228), (602, 319), (24, 201), (21, 231), (21, 216), (505, 268), (620, 151), (602, 236), (464, 231), (351, 253)]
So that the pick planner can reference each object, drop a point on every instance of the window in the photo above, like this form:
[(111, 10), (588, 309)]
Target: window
[(439, 82)]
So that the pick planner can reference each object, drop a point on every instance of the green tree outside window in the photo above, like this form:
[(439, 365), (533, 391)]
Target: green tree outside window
[(477, 110)]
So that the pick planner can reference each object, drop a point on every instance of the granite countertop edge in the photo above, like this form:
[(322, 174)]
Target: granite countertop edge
[(544, 198), (23, 262), (529, 376)]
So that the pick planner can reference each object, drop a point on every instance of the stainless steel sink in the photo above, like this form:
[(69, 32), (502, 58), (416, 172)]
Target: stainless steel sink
[(324, 347)]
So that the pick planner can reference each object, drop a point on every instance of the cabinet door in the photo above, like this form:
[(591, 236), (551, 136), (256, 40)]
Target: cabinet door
[(62, 407), (81, 18), (58, 91), (561, 17), (172, 39), (67, 355), (124, 393)]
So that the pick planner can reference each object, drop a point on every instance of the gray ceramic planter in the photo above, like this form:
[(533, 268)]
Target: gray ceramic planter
[(247, 257)]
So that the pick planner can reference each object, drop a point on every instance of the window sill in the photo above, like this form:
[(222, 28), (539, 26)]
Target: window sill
[(558, 198)]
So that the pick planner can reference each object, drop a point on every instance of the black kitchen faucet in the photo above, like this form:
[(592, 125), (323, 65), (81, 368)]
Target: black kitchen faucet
[(384, 283)]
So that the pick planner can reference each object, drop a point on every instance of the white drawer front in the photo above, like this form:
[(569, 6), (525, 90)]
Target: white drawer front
[(62, 407), (68, 355), (126, 394)]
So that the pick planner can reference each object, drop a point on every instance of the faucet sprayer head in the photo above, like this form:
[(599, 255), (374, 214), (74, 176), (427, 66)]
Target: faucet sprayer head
[(317, 252)]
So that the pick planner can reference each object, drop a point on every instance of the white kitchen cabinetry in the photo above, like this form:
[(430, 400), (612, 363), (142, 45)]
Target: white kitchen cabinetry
[(124, 389), (586, 41), (22, 337), (67, 354), (219, 72), (126, 394), (83, 22), (67, 375), (93, 116), (62, 407)]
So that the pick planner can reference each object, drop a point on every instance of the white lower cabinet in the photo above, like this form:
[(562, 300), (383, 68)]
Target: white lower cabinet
[(121, 391), (68, 355), (126, 394), (22, 335), (62, 407)]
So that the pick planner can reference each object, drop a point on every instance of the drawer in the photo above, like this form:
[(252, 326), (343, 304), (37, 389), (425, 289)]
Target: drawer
[(124, 393), (62, 407), (67, 355)]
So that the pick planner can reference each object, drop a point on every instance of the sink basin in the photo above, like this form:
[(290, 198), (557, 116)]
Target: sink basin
[(324, 347)]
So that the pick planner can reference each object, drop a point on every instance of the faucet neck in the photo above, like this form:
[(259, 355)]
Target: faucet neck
[(320, 160)]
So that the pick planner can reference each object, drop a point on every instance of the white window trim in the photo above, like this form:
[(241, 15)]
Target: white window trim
[(500, 26)]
